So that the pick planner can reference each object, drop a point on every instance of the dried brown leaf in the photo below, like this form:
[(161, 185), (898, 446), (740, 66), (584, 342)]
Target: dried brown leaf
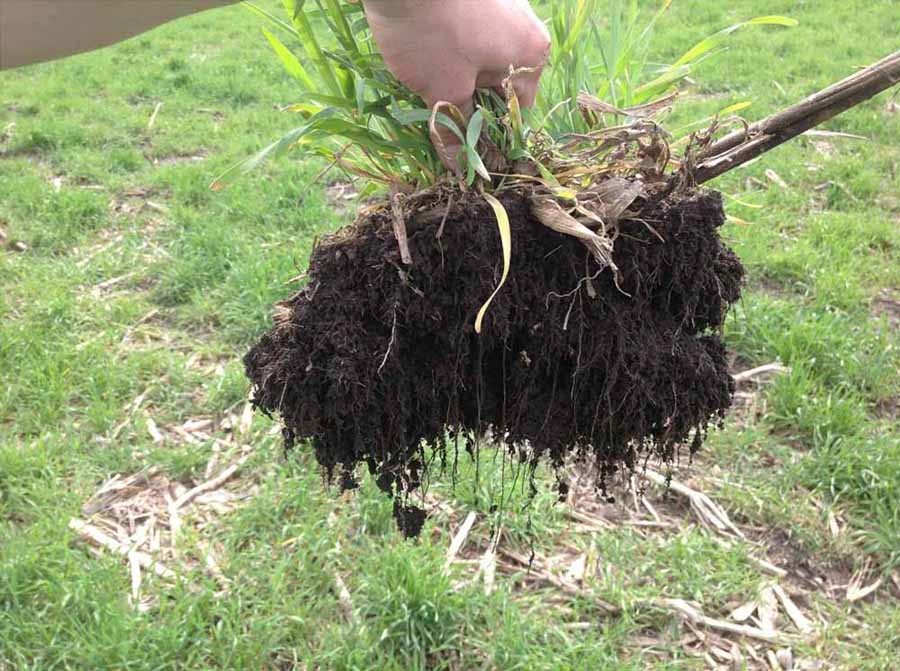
[(246, 420), (614, 196), (154, 432), (694, 615), (856, 592), (785, 658), (648, 110), (551, 214)]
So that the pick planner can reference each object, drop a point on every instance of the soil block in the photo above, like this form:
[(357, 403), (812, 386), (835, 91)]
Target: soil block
[(377, 362)]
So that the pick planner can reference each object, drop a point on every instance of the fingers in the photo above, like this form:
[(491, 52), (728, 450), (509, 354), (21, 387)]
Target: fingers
[(464, 105), (527, 67), (526, 85), (527, 82), (445, 141)]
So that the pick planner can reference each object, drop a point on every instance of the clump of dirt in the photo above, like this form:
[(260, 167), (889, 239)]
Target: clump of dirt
[(375, 362)]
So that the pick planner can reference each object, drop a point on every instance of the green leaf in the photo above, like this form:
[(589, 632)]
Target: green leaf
[(291, 64), (713, 41), (414, 116), (548, 177), (473, 133), (305, 109), (335, 11), (477, 165), (298, 7), (661, 84), (732, 109), (585, 9), (271, 17), (274, 150), (310, 42), (410, 117)]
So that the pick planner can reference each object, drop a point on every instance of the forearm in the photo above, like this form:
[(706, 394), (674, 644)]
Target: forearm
[(40, 30)]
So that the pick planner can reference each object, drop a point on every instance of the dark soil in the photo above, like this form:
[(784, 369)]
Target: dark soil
[(374, 362)]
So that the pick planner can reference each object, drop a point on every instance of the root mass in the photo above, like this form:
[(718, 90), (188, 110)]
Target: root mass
[(377, 362)]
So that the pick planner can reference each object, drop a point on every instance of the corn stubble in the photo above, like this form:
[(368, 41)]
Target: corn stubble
[(563, 294)]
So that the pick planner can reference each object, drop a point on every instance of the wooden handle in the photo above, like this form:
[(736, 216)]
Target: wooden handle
[(742, 146)]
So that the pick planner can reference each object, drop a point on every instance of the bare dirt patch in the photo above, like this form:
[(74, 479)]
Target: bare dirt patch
[(6, 135), (341, 195), (888, 408), (179, 158), (8, 243), (887, 306), (136, 201), (749, 398)]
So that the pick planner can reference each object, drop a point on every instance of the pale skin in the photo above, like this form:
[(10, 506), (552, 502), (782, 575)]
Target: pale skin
[(445, 49), (32, 31), (441, 49)]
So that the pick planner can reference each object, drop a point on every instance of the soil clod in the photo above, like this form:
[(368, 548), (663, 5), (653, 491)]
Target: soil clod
[(377, 362)]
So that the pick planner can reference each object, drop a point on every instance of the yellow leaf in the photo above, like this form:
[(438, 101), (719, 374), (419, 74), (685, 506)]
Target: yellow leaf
[(565, 193), (306, 109), (733, 109), (506, 241)]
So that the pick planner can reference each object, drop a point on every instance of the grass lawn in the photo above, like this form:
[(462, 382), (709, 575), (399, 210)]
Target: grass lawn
[(130, 291)]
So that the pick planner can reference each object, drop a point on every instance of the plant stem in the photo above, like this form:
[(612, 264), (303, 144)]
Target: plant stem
[(742, 146)]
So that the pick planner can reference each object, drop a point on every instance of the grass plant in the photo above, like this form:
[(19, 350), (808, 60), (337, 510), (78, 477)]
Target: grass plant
[(361, 119), (198, 273)]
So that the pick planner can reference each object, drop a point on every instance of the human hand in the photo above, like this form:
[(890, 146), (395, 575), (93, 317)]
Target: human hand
[(444, 49)]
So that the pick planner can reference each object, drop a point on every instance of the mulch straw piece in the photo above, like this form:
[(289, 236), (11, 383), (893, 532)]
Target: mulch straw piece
[(142, 516), (375, 361), (759, 633)]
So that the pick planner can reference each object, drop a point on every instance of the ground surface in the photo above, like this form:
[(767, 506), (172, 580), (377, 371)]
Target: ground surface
[(130, 292)]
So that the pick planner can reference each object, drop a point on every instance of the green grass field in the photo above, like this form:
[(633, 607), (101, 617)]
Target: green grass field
[(130, 291)]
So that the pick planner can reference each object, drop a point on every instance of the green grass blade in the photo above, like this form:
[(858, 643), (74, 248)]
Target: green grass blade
[(735, 108), (585, 9), (310, 42), (661, 84), (273, 150), (476, 166), (715, 40), (290, 61), (409, 117), (473, 133), (338, 15), (256, 9)]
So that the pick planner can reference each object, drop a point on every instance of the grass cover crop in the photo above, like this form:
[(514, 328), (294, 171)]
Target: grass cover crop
[(588, 327), (119, 313)]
